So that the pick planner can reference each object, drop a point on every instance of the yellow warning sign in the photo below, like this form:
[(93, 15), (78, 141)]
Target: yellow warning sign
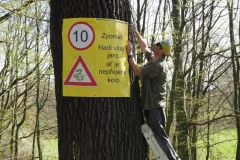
[(95, 62)]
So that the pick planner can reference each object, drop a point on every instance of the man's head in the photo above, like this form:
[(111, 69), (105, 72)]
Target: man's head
[(157, 50), (164, 45)]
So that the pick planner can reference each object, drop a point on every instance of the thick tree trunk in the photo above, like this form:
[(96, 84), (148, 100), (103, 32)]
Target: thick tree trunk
[(94, 128)]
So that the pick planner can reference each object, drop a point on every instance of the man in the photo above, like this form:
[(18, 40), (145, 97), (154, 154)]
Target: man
[(153, 90)]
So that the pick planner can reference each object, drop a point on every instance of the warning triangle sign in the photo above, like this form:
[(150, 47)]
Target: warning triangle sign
[(80, 75)]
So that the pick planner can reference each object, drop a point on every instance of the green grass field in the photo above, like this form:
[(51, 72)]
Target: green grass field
[(50, 149), (223, 146)]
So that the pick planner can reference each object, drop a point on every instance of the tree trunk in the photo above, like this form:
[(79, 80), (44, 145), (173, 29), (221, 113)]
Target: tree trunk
[(155, 23), (236, 76), (94, 128), (36, 135), (193, 129), (144, 17), (181, 117)]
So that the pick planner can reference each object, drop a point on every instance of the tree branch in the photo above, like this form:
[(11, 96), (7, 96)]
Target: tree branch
[(8, 15)]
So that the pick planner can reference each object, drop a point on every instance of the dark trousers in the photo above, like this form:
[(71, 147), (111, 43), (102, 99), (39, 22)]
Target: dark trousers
[(156, 120)]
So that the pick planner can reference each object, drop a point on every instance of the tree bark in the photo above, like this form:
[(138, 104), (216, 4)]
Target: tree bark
[(236, 76), (94, 128), (178, 16)]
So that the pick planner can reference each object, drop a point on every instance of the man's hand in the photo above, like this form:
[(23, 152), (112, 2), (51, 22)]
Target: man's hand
[(129, 49), (132, 62), (140, 40), (134, 27)]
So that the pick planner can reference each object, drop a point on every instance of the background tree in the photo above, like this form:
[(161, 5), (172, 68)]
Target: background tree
[(21, 41), (178, 18), (236, 73)]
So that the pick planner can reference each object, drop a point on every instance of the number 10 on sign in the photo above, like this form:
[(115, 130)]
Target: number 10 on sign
[(81, 35)]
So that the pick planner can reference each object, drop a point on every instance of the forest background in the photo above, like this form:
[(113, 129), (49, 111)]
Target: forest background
[(203, 83)]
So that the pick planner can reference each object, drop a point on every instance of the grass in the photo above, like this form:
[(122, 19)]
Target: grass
[(50, 149), (223, 146)]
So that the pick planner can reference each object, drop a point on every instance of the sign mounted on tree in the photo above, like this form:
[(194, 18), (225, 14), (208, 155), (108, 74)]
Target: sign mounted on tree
[(81, 35), (94, 58), (80, 75)]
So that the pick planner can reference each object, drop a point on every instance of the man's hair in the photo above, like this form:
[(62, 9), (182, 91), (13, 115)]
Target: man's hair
[(159, 44)]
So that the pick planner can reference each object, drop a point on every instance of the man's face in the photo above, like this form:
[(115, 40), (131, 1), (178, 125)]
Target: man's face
[(155, 48)]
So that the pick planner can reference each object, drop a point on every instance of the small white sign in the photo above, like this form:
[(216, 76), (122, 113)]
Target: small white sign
[(81, 35)]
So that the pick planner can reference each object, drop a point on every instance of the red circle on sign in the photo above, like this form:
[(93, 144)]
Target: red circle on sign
[(89, 27)]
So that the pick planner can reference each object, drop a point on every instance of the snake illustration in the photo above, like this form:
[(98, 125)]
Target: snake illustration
[(78, 75)]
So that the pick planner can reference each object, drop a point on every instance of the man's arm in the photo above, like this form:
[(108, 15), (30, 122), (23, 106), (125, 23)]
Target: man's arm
[(143, 45), (131, 60)]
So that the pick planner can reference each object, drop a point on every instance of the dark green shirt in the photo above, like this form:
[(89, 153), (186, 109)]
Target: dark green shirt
[(154, 83)]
